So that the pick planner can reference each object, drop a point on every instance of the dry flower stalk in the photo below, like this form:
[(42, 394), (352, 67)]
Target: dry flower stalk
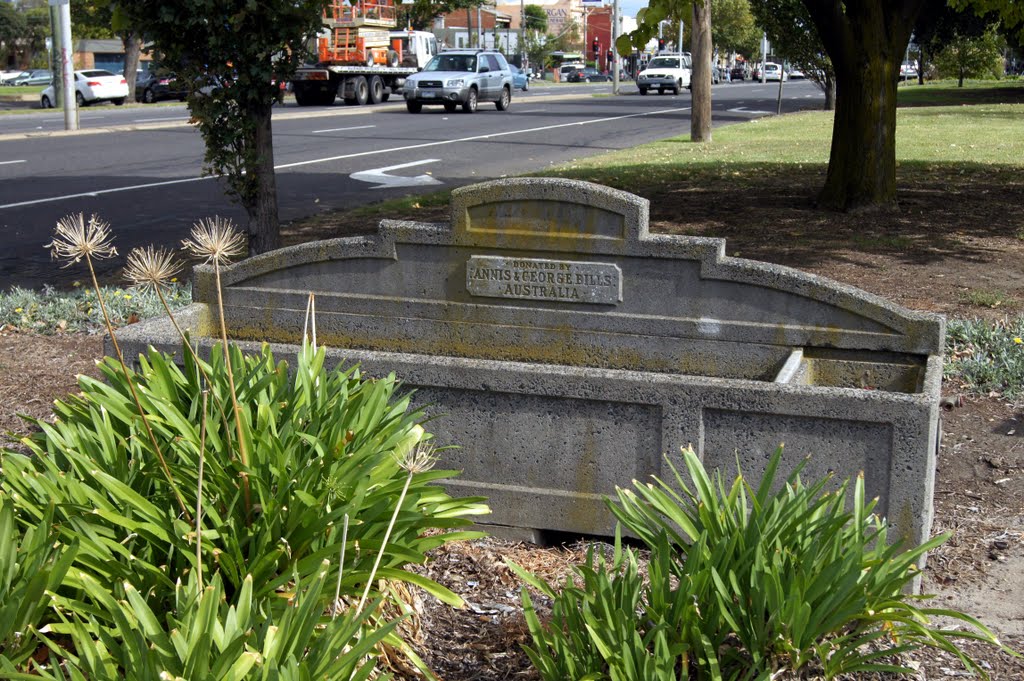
[(418, 459), (75, 240), (216, 241)]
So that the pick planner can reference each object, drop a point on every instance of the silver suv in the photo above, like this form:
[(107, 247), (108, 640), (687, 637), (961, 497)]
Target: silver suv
[(461, 77)]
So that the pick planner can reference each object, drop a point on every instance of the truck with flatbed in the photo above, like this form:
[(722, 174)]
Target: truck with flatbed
[(360, 56)]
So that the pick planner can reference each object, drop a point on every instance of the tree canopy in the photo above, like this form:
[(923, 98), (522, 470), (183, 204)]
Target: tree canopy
[(733, 28), (1010, 12), (795, 37), (421, 13), (232, 54), (535, 19)]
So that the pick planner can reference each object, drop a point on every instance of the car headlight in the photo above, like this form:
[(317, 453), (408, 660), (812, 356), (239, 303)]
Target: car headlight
[(455, 82)]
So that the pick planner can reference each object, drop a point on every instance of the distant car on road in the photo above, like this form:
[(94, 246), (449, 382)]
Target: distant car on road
[(7, 76), (153, 86), (587, 74), (520, 79), (461, 77), (795, 74), (908, 69), (34, 77), (665, 72), (773, 71), (740, 72), (92, 86)]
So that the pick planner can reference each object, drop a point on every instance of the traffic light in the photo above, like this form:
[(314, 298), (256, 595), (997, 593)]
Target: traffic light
[(661, 44), (597, 49)]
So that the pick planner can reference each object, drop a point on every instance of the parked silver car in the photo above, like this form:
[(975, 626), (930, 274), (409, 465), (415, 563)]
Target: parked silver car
[(461, 77)]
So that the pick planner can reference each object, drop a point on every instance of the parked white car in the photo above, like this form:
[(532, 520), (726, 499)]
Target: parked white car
[(94, 85)]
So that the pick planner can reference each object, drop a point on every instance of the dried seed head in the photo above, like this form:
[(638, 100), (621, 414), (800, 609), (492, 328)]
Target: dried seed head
[(74, 239), (215, 240), (418, 459), (151, 268)]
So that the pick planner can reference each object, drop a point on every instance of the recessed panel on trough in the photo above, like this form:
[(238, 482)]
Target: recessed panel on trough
[(837, 446), (563, 451), (545, 218)]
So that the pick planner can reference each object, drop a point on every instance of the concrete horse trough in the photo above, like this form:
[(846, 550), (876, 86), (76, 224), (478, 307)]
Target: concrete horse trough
[(567, 350)]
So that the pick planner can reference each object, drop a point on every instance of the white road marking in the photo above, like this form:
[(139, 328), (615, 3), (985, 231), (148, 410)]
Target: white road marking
[(355, 127), (98, 192), (7, 163), (473, 138), (744, 110), (153, 120), (386, 181), (328, 159)]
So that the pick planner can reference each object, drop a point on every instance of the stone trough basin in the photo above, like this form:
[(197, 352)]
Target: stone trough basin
[(567, 350)]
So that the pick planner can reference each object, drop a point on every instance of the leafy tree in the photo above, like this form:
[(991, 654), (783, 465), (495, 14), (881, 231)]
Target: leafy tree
[(866, 42), (940, 24), (231, 54), (733, 28), (1010, 12), (971, 56), (535, 19), (12, 27), (421, 13), (31, 44), (791, 31)]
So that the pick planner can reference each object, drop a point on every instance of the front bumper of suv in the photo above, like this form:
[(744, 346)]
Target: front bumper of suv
[(436, 92)]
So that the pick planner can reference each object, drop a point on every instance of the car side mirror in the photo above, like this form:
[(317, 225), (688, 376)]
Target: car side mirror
[(484, 69)]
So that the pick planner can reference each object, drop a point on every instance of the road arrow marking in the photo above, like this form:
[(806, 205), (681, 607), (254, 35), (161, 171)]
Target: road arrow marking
[(745, 110), (389, 181)]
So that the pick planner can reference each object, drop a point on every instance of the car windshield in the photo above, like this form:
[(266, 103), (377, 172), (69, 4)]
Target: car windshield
[(452, 62), (665, 63)]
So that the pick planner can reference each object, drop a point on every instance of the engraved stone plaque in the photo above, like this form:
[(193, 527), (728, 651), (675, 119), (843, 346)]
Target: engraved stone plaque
[(564, 281)]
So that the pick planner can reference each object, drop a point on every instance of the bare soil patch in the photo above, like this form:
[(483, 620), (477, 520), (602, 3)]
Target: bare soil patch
[(953, 247)]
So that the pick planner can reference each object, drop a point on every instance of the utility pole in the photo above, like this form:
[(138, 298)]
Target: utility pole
[(613, 50), (764, 54), (67, 65), (522, 34), (55, 65)]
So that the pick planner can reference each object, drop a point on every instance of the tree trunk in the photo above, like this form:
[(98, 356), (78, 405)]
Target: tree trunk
[(132, 49), (862, 164), (700, 82), (866, 42), (264, 228), (830, 92)]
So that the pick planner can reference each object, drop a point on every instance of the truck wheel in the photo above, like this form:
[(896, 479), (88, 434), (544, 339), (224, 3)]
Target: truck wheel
[(302, 97), (376, 90), (392, 58), (361, 89), (469, 106), (505, 100), (414, 107)]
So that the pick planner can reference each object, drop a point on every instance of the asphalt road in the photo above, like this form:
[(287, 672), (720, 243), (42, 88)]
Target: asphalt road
[(144, 175)]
